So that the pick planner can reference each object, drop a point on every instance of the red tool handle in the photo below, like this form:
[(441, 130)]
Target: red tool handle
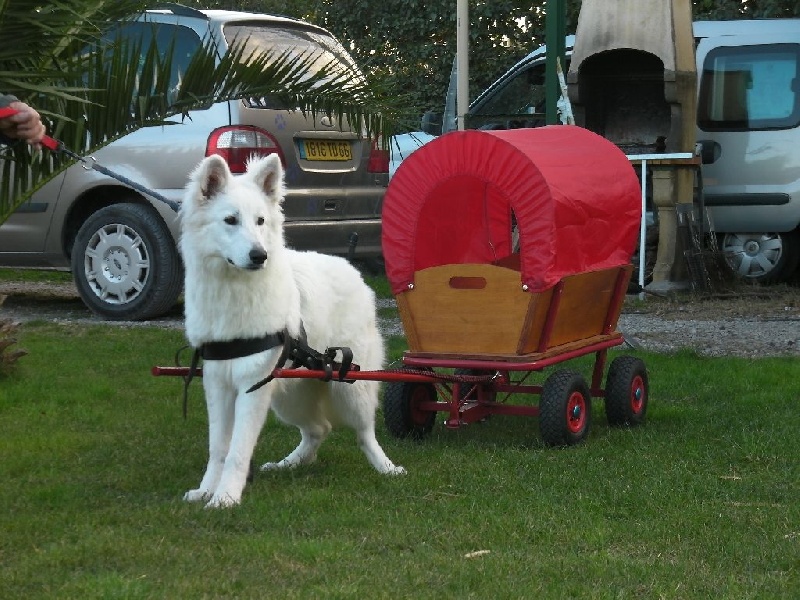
[(47, 141)]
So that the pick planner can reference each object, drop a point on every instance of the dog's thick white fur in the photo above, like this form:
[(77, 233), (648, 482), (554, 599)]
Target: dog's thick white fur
[(242, 282)]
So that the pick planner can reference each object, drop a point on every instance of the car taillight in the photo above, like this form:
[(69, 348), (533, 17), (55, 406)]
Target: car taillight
[(378, 159), (238, 143)]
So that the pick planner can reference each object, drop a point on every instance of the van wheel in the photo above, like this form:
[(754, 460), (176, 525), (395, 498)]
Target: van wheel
[(762, 257), (125, 263)]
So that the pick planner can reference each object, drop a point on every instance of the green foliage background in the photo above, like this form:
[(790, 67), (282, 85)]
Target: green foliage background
[(412, 43)]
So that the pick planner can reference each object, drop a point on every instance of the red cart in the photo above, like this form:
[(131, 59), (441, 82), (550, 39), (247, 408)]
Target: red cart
[(508, 252)]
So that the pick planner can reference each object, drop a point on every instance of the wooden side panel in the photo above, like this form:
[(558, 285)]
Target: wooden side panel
[(584, 306), (480, 310), (615, 309), (474, 309), (533, 327), (407, 318)]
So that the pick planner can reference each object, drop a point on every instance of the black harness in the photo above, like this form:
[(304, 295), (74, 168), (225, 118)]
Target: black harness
[(295, 349)]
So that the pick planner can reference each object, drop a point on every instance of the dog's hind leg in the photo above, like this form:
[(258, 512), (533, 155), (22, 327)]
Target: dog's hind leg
[(375, 455), (220, 403), (311, 438), (356, 406), (300, 404)]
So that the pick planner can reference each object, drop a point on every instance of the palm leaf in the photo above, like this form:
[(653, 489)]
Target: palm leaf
[(94, 94)]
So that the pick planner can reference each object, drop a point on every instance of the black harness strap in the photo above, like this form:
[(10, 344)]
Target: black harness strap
[(303, 355), (241, 346), (296, 350), (231, 349)]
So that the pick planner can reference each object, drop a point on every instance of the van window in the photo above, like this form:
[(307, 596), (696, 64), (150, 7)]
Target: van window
[(517, 102), (750, 88)]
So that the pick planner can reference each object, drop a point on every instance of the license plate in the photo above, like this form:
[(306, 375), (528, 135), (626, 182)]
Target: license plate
[(325, 150)]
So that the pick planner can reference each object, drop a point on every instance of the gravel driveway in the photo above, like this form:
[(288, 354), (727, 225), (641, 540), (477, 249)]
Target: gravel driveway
[(763, 322)]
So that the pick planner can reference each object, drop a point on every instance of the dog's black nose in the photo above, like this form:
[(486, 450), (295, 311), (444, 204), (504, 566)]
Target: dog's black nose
[(258, 256)]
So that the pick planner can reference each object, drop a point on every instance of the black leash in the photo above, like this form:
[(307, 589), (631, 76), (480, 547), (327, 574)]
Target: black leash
[(55, 145), (91, 163)]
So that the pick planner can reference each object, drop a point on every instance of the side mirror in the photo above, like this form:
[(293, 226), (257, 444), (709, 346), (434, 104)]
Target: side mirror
[(431, 123), (710, 151)]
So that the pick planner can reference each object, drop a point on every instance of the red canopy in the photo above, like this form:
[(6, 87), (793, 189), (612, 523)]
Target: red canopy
[(575, 197)]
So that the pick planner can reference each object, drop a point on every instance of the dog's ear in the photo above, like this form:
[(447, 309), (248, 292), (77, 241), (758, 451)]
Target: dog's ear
[(212, 176), (267, 174)]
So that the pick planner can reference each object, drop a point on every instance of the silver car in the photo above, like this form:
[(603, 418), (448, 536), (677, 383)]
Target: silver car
[(121, 245)]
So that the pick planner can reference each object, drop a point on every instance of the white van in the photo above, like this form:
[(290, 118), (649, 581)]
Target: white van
[(748, 122)]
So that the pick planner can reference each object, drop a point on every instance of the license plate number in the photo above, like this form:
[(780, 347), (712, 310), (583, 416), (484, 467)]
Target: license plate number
[(325, 150)]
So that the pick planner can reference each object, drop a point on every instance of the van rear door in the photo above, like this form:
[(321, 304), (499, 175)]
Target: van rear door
[(749, 123)]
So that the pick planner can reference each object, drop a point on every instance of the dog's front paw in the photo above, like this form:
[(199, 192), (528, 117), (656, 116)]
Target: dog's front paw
[(196, 495), (222, 501), (395, 470)]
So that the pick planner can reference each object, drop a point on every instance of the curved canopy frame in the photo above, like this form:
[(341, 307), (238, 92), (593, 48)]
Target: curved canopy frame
[(572, 195)]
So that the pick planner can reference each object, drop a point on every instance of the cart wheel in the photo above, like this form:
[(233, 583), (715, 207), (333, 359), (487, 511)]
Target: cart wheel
[(627, 391), (565, 409), (401, 411)]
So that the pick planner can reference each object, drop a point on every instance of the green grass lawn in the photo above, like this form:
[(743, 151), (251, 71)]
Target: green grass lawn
[(701, 502)]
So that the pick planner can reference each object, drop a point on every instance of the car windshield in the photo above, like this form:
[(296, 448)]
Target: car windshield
[(292, 40)]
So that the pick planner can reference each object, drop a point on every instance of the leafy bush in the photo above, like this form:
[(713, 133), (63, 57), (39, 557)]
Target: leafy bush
[(7, 331)]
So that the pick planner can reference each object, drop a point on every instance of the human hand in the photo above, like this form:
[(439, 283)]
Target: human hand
[(25, 125)]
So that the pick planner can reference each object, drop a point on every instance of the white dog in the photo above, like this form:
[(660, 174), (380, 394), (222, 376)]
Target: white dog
[(242, 283)]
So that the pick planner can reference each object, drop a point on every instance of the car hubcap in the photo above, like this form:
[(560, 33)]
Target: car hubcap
[(116, 264), (751, 254)]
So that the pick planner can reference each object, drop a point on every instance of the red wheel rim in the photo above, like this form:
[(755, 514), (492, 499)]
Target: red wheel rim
[(637, 395), (576, 412), (418, 395)]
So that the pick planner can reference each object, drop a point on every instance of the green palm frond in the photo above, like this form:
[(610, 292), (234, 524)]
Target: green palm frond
[(93, 93)]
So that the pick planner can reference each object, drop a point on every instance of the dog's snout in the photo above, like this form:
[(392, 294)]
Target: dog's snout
[(258, 256)]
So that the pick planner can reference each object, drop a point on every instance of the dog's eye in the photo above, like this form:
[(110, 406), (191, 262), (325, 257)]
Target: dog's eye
[(231, 220), (260, 221)]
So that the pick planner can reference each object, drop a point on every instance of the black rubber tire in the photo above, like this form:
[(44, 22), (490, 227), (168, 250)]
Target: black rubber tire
[(400, 413), (627, 392), (762, 258), (565, 409), (126, 264)]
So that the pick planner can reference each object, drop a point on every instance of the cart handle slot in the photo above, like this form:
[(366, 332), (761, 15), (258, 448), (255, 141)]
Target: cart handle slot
[(467, 283)]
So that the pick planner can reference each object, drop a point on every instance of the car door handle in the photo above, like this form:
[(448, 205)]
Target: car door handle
[(710, 151), (330, 206)]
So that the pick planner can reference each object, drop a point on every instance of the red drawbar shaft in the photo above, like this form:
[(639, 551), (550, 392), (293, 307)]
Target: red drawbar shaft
[(309, 374)]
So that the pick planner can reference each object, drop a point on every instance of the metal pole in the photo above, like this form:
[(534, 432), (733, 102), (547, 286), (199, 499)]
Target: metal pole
[(555, 32), (462, 61)]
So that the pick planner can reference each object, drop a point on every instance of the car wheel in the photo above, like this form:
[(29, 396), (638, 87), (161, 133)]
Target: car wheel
[(125, 263), (762, 257)]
